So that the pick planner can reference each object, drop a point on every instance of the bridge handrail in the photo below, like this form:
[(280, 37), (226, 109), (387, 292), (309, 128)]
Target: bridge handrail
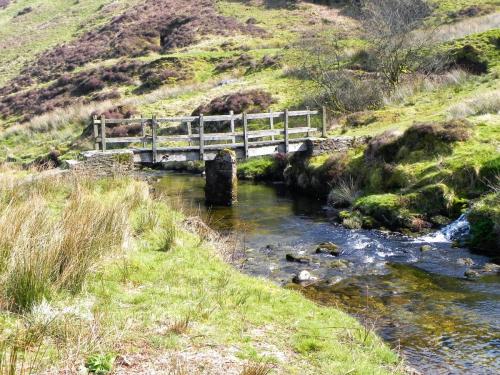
[(101, 140), (210, 118)]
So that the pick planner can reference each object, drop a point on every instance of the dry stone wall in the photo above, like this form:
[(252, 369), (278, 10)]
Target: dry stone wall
[(320, 146), (108, 163)]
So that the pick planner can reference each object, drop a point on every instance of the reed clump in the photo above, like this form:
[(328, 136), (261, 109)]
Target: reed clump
[(53, 236)]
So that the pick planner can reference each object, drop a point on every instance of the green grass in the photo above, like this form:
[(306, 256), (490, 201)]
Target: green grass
[(146, 298)]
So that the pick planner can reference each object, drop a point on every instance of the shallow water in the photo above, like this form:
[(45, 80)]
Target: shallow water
[(417, 301)]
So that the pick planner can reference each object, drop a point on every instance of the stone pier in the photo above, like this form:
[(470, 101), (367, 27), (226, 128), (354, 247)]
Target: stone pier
[(221, 187)]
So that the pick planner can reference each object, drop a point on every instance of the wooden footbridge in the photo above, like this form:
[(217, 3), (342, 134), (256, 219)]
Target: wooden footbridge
[(200, 137)]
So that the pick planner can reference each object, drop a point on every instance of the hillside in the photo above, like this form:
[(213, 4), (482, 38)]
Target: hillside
[(98, 55), (154, 291)]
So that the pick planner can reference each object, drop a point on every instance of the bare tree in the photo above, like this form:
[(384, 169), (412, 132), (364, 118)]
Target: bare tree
[(324, 60), (392, 27)]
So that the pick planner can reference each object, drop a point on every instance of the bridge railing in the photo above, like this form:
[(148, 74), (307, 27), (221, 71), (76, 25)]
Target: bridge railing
[(195, 135)]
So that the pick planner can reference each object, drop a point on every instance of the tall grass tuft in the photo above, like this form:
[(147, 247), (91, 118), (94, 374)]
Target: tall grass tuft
[(487, 103), (345, 193), (46, 249)]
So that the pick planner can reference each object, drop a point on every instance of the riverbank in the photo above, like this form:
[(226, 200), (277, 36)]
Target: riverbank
[(438, 306), (413, 182), (150, 293)]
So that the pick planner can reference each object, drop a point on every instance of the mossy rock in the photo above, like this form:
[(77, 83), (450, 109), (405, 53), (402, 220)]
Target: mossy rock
[(390, 210), (339, 263), (351, 219), (432, 200), (328, 248), (484, 220)]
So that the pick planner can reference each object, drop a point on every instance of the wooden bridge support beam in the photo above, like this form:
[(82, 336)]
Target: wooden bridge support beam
[(221, 188)]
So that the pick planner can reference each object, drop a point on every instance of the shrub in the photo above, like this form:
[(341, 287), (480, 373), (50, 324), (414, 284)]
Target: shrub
[(383, 146), (422, 140), (470, 59), (88, 85), (24, 11), (119, 112), (243, 101), (344, 92), (136, 32)]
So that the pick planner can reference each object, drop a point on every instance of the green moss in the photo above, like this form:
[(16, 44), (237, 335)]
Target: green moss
[(256, 168), (485, 225), (431, 200), (388, 209)]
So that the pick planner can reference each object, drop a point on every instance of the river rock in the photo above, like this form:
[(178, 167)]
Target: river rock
[(465, 261), (334, 280), (471, 274), (339, 263), (296, 259), (303, 276), (328, 248), (425, 248), (491, 268), (271, 247)]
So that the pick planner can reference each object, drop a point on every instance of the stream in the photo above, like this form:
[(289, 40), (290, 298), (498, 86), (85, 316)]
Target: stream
[(418, 301)]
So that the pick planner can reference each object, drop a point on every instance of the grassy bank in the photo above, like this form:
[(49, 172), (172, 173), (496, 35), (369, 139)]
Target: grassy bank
[(101, 274)]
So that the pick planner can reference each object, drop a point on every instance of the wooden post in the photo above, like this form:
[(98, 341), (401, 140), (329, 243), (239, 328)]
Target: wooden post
[(202, 138), (154, 131), (271, 122), (287, 146), (103, 133), (96, 132), (245, 134), (143, 132), (323, 130), (308, 120), (231, 113), (190, 131)]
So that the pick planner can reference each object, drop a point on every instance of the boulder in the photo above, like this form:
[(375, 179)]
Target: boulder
[(303, 276), (424, 248)]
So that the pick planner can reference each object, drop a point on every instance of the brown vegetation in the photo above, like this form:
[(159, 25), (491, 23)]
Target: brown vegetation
[(251, 101), (246, 61), (61, 92), (150, 26)]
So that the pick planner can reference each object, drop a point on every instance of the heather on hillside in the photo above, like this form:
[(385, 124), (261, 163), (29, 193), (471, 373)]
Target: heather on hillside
[(151, 26)]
